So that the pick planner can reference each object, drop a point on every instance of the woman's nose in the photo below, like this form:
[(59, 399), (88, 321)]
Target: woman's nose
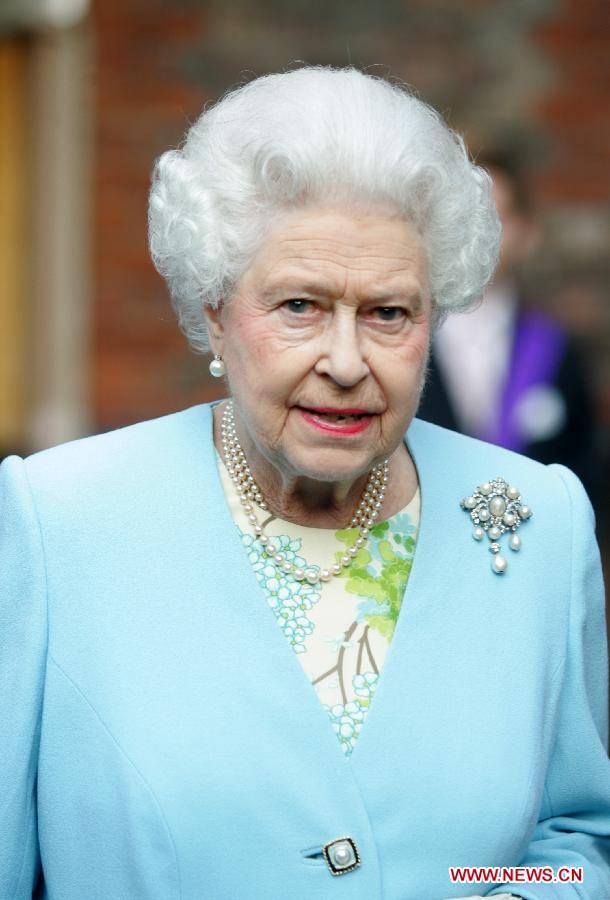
[(341, 356)]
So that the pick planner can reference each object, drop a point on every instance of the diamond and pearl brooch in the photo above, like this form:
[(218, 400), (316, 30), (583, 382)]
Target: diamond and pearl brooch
[(495, 508)]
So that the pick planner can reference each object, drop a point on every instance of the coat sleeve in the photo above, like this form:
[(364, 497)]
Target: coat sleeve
[(23, 638), (574, 822)]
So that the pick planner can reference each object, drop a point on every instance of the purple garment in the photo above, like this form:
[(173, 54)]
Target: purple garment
[(536, 355)]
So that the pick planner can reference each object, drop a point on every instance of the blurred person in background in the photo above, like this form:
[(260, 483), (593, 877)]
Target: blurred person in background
[(506, 372)]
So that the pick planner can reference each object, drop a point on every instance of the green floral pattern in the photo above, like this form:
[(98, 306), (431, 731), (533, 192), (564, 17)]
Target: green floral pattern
[(380, 571)]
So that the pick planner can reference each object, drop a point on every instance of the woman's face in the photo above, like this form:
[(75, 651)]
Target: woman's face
[(333, 313)]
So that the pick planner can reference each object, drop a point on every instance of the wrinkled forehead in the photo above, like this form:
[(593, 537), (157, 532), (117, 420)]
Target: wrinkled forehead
[(320, 251)]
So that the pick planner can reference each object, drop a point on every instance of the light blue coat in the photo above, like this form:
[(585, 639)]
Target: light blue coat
[(159, 739)]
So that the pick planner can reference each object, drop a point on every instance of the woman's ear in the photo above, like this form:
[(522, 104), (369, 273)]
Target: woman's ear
[(215, 325)]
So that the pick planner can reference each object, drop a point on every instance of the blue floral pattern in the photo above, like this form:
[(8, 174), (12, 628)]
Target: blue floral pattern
[(289, 600)]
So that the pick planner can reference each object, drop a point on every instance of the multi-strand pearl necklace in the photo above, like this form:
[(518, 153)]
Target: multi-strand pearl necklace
[(249, 494)]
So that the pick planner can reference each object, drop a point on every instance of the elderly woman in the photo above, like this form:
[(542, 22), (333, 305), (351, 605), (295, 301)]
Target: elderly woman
[(298, 643)]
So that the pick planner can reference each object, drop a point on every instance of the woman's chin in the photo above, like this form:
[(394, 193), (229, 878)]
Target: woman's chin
[(330, 463)]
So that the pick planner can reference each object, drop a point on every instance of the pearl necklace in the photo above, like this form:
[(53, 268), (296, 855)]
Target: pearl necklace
[(249, 493)]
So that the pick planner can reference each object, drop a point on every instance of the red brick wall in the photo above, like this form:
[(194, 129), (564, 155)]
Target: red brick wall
[(574, 185), (576, 111), (141, 365)]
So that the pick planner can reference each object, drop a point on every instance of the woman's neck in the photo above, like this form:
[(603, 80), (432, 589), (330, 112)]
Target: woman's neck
[(322, 504)]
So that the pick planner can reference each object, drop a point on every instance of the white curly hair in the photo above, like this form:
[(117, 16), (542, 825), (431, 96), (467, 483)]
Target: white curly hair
[(315, 134)]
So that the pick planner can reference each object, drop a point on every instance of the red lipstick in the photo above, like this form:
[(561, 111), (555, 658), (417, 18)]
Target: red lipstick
[(331, 420), (338, 412)]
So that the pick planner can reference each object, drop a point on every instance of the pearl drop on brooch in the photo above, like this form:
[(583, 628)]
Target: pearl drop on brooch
[(499, 564), (515, 542)]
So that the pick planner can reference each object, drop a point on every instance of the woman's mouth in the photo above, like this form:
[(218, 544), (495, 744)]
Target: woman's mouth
[(345, 421)]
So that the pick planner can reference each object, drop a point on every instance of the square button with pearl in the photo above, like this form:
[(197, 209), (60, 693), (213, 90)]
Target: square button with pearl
[(341, 855)]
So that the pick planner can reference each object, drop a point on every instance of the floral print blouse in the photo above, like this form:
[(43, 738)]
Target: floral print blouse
[(340, 632)]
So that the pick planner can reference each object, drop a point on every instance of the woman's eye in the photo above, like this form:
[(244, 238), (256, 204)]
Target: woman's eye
[(297, 305), (389, 313)]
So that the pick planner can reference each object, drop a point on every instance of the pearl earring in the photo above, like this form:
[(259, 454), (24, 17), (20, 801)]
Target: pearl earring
[(217, 366)]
